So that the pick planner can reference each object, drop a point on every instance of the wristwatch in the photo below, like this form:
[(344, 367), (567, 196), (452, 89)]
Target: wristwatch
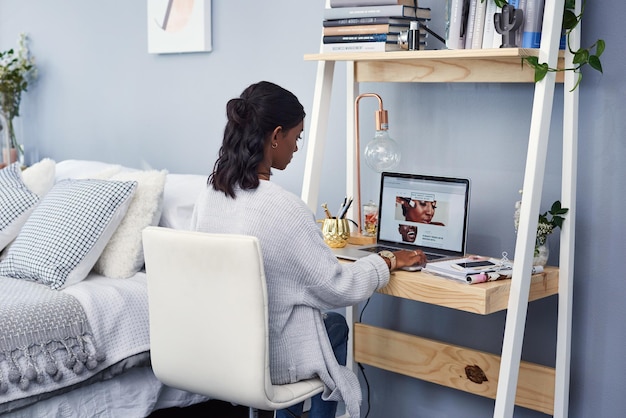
[(389, 256)]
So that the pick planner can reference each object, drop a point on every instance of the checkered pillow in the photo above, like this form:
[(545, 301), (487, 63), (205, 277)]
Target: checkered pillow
[(16, 203), (66, 233)]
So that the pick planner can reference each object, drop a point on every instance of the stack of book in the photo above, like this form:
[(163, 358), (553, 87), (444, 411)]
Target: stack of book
[(370, 25), (470, 24)]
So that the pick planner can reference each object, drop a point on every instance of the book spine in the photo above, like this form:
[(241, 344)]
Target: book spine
[(497, 38), (368, 21), (359, 47), (422, 13), (471, 21), (375, 37), (362, 29), (454, 34), (490, 29), (479, 24), (533, 20), (520, 31), (353, 12), (357, 3)]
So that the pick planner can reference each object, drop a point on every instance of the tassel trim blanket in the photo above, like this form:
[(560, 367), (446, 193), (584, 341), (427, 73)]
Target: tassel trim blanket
[(42, 331)]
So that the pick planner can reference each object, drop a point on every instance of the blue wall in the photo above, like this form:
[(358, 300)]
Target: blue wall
[(100, 95)]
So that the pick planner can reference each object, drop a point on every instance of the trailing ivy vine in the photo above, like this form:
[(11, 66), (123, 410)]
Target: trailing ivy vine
[(582, 57)]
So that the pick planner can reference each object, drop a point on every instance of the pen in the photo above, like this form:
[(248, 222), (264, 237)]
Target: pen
[(343, 212), (345, 200)]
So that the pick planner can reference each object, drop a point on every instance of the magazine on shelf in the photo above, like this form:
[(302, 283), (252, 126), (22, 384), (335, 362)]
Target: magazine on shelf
[(471, 269)]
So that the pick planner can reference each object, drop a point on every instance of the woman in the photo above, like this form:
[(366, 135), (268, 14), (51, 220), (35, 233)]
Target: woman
[(421, 211), (303, 277)]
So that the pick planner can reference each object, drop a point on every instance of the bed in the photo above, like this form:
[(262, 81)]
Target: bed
[(74, 336)]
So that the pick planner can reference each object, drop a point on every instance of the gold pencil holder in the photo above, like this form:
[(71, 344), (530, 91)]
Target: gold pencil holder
[(335, 232)]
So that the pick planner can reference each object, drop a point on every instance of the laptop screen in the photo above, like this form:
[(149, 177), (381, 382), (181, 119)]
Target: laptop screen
[(422, 211)]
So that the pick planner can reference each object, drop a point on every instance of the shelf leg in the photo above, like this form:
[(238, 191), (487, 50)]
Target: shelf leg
[(566, 258), (317, 133), (524, 246)]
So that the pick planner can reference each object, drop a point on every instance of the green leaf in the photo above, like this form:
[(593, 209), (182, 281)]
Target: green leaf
[(594, 61), (532, 61), (600, 45), (580, 78), (558, 222), (581, 56), (540, 72), (569, 20), (556, 206)]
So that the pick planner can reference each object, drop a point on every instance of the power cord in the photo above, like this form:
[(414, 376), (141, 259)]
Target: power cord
[(367, 386), (362, 369)]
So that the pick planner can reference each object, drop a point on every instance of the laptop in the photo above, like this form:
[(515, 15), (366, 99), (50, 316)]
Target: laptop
[(419, 212)]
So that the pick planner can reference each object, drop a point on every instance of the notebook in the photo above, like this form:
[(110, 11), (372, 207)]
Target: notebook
[(428, 213)]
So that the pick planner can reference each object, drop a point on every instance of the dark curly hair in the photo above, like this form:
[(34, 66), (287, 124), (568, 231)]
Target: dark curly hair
[(251, 118)]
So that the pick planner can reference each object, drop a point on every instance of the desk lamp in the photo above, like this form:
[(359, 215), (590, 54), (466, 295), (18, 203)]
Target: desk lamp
[(381, 154)]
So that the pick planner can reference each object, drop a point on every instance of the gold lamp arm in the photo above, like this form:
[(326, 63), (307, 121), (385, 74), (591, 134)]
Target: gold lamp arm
[(382, 124)]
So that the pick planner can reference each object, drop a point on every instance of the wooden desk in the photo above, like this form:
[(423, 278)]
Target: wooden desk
[(482, 298), (451, 365)]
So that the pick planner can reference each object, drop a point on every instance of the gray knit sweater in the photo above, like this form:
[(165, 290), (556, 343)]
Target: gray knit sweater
[(303, 279)]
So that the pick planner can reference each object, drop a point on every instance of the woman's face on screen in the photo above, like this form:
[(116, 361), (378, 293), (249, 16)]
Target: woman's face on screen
[(421, 211)]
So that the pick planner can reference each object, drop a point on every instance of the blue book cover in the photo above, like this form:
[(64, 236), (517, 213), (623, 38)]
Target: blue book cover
[(533, 19)]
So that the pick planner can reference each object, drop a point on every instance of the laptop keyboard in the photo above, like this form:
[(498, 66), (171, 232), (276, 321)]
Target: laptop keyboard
[(379, 248)]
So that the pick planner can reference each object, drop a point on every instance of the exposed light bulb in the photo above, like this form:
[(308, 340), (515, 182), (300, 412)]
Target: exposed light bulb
[(382, 152)]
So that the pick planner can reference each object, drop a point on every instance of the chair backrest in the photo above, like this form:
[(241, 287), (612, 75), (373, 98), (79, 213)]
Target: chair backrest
[(208, 314)]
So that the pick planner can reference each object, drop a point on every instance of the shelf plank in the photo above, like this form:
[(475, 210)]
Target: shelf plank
[(451, 365), (502, 65), (481, 298), (426, 54)]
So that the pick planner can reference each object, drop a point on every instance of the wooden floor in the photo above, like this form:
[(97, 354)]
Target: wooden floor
[(210, 409)]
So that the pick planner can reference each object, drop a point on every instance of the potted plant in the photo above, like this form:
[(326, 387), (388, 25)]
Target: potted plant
[(17, 70), (548, 222)]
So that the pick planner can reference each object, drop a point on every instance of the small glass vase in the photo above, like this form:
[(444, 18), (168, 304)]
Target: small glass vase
[(542, 253), (12, 151)]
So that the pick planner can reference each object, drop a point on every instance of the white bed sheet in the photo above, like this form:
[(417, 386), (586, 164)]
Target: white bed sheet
[(117, 310), (134, 394)]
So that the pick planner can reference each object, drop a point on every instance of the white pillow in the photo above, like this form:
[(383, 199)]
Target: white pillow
[(39, 177), (123, 255), (181, 193), (66, 233), (86, 169), (20, 192)]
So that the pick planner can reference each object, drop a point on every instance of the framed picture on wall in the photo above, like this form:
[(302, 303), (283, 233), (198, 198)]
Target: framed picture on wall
[(176, 26)]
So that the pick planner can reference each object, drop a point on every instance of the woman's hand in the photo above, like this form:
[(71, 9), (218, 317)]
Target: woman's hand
[(406, 258)]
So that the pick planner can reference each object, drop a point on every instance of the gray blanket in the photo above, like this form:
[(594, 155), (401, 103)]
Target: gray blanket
[(42, 331)]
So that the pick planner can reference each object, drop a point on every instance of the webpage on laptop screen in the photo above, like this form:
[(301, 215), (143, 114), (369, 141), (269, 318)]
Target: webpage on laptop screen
[(423, 212)]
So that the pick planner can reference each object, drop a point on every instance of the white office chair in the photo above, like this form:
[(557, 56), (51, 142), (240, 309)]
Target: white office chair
[(208, 319)]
